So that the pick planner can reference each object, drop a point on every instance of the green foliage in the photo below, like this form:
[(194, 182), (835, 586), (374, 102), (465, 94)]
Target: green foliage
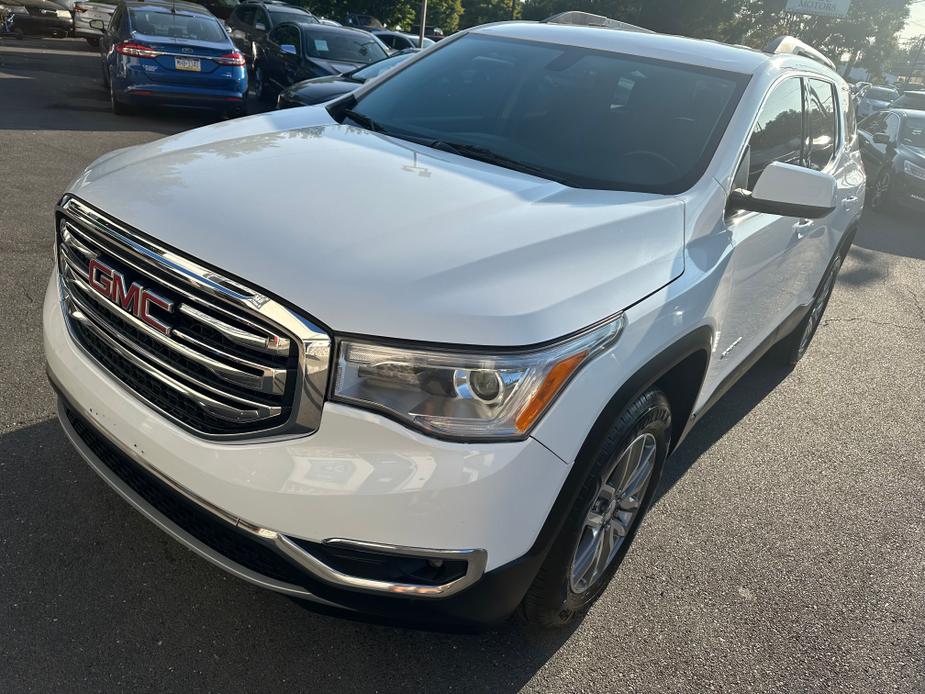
[(477, 12)]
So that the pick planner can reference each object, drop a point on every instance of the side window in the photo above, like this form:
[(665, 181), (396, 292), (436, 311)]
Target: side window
[(260, 17), (115, 19), (851, 121), (245, 15), (284, 35), (778, 134), (822, 123)]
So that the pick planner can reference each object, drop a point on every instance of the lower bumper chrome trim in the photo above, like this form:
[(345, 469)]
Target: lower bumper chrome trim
[(475, 559)]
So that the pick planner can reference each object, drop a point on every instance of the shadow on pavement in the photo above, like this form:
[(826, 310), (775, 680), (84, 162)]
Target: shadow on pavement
[(900, 232)]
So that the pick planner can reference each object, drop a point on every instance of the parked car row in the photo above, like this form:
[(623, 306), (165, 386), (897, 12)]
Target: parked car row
[(893, 148)]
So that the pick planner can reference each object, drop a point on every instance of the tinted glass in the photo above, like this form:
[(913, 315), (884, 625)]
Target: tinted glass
[(873, 124), (292, 15), (913, 101), (285, 35), (376, 69), (913, 133), (558, 111), (347, 46), (823, 123), (245, 14), (880, 94), (779, 131), (177, 26)]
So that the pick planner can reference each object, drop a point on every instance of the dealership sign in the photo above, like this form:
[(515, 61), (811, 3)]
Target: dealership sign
[(823, 8)]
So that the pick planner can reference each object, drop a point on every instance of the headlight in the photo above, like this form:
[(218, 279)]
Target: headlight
[(461, 393), (914, 170)]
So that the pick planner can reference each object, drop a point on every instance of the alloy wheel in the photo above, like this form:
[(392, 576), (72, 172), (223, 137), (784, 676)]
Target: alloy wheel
[(610, 518)]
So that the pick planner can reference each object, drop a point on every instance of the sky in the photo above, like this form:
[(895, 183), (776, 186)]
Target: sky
[(916, 24)]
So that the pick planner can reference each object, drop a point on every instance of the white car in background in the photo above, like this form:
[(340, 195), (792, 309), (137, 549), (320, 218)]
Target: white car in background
[(448, 389)]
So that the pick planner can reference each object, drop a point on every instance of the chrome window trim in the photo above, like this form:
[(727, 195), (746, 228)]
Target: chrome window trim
[(232, 298)]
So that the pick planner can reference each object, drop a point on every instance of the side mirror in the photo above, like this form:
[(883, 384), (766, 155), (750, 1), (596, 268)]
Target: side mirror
[(98, 24), (260, 26), (882, 139), (288, 48), (789, 191)]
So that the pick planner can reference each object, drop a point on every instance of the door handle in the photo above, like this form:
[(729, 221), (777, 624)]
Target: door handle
[(801, 228), (848, 202)]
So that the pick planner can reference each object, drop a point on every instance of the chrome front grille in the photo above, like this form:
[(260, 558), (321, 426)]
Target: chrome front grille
[(220, 358)]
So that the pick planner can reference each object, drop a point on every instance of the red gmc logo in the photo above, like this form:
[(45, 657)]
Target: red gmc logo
[(135, 299)]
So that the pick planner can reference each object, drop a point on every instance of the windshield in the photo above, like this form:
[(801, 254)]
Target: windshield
[(345, 45), (178, 26), (880, 94), (377, 68), (914, 132), (589, 119)]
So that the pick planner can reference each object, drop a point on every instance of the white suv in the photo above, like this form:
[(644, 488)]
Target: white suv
[(423, 352)]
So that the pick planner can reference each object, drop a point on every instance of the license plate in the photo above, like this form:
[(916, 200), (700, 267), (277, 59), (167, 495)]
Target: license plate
[(191, 64)]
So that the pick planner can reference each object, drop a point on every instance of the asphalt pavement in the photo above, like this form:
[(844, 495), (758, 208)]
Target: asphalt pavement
[(786, 550)]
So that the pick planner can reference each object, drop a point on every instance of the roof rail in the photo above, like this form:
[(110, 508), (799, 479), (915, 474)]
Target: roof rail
[(789, 44), (586, 19)]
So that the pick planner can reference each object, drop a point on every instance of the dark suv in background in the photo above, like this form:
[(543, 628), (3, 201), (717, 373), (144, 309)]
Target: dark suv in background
[(250, 22)]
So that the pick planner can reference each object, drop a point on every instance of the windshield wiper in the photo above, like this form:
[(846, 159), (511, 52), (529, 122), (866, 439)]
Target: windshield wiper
[(363, 120), (490, 157)]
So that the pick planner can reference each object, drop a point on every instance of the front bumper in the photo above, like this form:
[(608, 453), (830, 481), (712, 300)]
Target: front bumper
[(360, 477)]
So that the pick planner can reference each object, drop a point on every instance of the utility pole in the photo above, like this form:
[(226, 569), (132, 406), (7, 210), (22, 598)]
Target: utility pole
[(513, 9), (423, 22)]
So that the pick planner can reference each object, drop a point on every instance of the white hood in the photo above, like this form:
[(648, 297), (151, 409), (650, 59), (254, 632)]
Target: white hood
[(373, 235)]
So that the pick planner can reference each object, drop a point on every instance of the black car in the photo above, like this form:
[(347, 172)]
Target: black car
[(399, 41), (321, 89), (251, 21), (35, 18), (292, 53), (910, 100), (893, 148), (220, 8)]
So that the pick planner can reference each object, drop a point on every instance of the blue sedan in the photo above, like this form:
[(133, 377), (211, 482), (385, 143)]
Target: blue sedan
[(171, 53)]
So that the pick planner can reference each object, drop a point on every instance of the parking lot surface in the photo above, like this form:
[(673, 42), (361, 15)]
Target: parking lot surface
[(785, 552)]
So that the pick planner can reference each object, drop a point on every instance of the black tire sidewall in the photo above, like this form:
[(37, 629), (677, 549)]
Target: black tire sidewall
[(551, 601)]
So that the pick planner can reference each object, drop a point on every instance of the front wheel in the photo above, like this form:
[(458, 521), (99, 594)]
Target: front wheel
[(93, 41), (617, 491), (880, 193)]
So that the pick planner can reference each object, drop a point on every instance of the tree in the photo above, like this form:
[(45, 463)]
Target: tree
[(477, 12)]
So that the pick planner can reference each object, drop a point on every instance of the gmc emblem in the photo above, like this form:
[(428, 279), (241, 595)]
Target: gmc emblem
[(135, 299)]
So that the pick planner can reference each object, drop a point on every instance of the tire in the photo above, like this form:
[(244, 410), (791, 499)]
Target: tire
[(261, 91), (881, 192), (791, 349), (567, 584), (118, 108), (94, 42)]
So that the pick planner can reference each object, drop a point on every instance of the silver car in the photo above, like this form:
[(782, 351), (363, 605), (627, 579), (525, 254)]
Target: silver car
[(875, 99), (85, 11)]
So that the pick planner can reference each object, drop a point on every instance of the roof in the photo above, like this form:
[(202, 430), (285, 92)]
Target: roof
[(709, 54)]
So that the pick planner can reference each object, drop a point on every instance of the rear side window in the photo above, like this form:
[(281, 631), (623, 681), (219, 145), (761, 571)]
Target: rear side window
[(822, 123), (286, 35), (245, 14), (778, 134)]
